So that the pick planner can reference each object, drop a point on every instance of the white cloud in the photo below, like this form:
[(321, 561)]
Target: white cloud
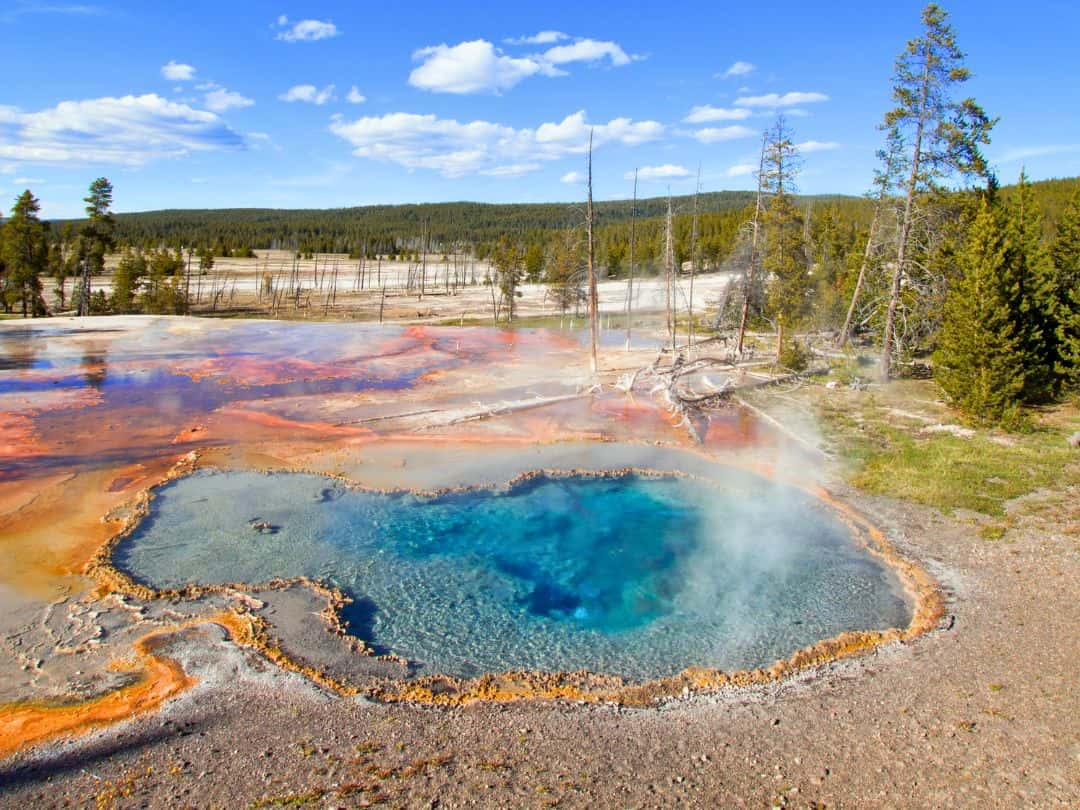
[(706, 113), (355, 96), (1025, 152), (512, 170), (816, 146), (572, 178), (587, 50), (478, 66), (455, 149), (27, 181), (669, 171), (309, 94), (738, 69), (574, 130), (741, 170), (305, 30), (177, 71), (131, 131), (718, 134), (541, 38), (773, 100), (15, 11), (470, 67), (219, 100)]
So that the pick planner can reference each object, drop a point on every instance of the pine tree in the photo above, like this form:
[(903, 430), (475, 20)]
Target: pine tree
[(1065, 254), (26, 253), (785, 251), (97, 236), (1032, 295), (126, 280), (979, 361), (943, 136)]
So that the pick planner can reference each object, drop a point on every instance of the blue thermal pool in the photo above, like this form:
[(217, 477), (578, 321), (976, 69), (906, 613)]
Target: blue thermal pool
[(633, 576)]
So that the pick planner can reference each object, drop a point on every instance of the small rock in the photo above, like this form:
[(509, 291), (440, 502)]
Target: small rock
[(1074, 440)]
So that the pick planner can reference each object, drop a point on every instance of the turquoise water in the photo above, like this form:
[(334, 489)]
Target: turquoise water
[(639, 577)]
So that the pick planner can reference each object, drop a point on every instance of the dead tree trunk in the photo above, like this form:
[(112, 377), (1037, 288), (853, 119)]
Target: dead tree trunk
[(748, 276), (590, 217), (630, 277), (845, 331), (693, 267), (669, 276), (905, 229)]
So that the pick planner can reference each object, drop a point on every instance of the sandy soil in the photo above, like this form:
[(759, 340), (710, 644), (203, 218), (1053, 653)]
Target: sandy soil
[(240, 285)]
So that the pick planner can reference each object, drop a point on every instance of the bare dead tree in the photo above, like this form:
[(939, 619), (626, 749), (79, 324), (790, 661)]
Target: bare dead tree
[(630, 277), (884, 180), (669, 274), (693, 264), (748, 275), (590, 221)]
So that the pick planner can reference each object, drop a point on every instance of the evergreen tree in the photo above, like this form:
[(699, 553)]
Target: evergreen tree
[(127, 278), (784, 257), (508, 259), (979, 361), (565, 271), (1031, 294), (26, 253), (97, 237), (945, 135), (534, 262), (1065, 254)]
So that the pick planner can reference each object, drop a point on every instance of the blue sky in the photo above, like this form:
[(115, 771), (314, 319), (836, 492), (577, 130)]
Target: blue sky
[(207, 105)]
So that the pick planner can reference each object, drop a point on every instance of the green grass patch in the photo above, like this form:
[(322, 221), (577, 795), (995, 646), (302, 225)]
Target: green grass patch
[(951, 472)]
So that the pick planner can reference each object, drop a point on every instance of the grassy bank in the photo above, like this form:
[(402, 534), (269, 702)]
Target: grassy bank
[(901, 441)]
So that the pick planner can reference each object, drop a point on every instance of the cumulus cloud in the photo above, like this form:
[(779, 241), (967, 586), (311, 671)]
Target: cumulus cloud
[(130, 131), (705, 113), (355, 96), (309, 94), (587, 50), (738, 69), (741, 170), (305, 30), (177, 71), (816, 146), (574, 130), (1026, 152), (219, 99), (773, 100), (470, 67), (454, 148), (512, 170), (669, 171), (572, 178), (477, 66), (718, 134), (540, 38)]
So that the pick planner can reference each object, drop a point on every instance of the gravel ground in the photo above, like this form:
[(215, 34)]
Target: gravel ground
[(983, 713)]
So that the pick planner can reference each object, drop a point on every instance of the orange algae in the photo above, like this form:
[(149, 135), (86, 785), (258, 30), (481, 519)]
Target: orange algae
[(161, 678)]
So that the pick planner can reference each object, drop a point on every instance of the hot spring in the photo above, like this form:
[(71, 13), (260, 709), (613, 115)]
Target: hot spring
[(636, 576)]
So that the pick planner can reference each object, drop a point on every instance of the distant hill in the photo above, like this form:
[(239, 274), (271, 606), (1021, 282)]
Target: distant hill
[(345, 229), (383, 227)]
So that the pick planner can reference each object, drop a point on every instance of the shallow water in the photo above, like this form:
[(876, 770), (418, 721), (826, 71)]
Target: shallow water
[(638, 577)]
